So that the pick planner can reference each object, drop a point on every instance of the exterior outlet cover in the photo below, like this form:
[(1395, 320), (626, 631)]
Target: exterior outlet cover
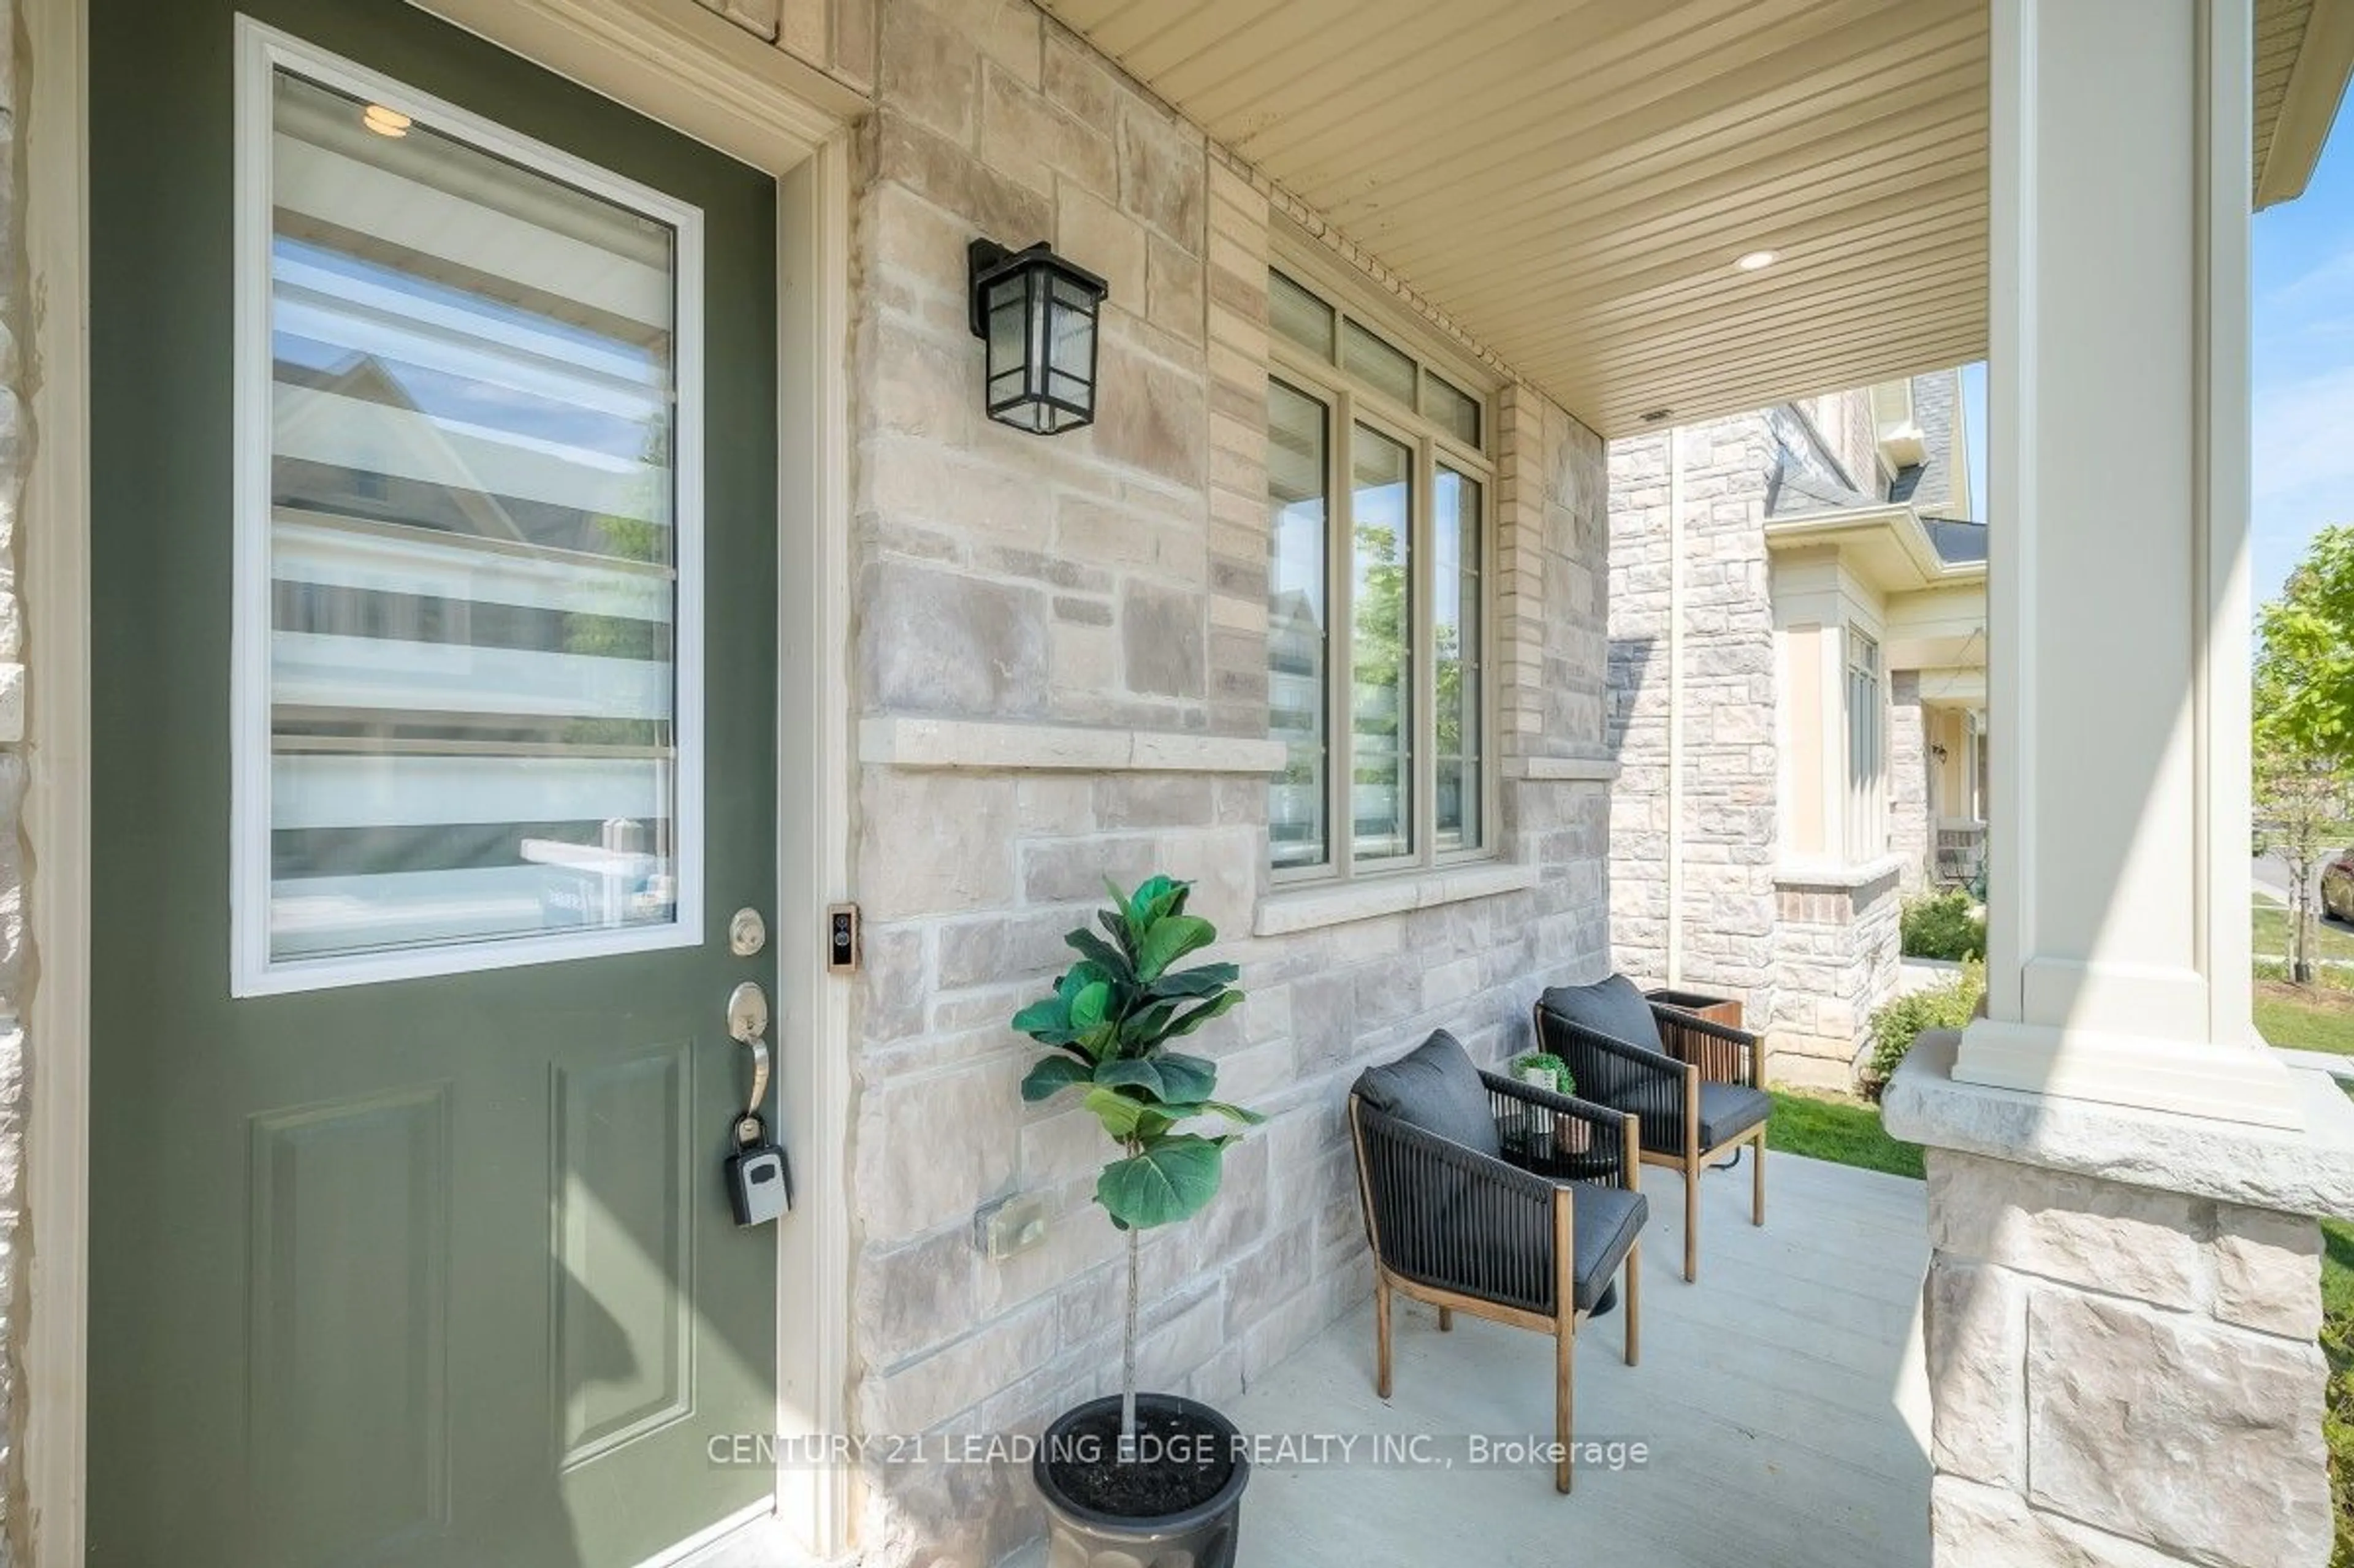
[(1010, 1225)]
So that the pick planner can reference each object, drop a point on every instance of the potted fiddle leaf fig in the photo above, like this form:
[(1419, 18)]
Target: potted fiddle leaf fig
[(1142, 1469)]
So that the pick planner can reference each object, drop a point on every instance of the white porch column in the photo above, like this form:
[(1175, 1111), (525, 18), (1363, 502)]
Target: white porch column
[(2124, 1283), (2118, 966)]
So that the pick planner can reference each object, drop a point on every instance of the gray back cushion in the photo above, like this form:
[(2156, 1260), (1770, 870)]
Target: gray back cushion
[(1435, 1087), (1612, 1007)]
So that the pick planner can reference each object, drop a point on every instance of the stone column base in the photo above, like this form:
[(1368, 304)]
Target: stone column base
[(2122, 1360)]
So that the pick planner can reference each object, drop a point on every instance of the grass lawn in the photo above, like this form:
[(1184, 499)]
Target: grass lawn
[(2337, 1257), (1848, 1132), (2298, 1019), (2337, 1267), (2330, 940)]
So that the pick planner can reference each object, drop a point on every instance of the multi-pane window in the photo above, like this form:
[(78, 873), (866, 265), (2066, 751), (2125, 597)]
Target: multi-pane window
[(1867, 834), (1379, 485)]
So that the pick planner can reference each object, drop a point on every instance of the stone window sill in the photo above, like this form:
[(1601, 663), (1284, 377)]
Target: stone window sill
[(1561, 770), (1832, 877), (1310, 908), (905, 741)]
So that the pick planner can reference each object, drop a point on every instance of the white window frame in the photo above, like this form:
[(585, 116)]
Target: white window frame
[(1349, 402), (261, 51), (1866, 825)]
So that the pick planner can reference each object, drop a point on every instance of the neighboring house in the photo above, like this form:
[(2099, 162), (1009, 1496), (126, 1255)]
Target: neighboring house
[(1797, 687)]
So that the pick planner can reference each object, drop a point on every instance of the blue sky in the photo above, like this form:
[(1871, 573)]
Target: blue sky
[(1974, 428), (2305, 365)]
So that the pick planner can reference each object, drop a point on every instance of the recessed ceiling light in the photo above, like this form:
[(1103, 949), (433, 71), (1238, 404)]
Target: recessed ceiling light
[(384, 121), (1756, 260)]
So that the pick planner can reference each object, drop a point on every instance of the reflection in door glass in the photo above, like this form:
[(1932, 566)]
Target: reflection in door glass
[(473, 597)]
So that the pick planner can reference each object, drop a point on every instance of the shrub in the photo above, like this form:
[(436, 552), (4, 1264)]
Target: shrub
[(1943, 926), (2337, 1430), (1897, 1024)]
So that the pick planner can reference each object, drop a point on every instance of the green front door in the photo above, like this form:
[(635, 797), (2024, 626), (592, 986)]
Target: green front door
[(434, 474)]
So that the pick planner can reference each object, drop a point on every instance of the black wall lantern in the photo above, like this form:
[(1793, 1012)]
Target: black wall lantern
[(1037, 314)]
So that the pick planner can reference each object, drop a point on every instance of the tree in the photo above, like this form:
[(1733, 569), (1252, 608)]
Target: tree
[(1110, 1021), (2304, 726)]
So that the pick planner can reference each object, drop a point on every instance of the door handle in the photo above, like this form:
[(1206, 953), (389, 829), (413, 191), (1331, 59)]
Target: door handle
[(747, 1023)]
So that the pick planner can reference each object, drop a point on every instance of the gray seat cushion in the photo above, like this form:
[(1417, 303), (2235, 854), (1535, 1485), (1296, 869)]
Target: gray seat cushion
[(1613, 1007), (1604, 1222), (1500, 1243), (1728, 1111), (1435, 1087)]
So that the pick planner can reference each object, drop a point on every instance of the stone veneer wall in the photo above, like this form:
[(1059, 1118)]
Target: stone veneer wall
[(1729, 758), (1836, 956), (2125, 1377), (1809, 958), (1109, 581), (1911, 831), (1116, 577)]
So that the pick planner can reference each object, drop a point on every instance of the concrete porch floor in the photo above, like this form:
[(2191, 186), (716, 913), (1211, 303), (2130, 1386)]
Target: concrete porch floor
[(1782, 1397)]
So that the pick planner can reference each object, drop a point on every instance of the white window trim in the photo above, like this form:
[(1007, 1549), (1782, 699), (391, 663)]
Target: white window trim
[(1864, 817), (262, 50), (1349, 402)]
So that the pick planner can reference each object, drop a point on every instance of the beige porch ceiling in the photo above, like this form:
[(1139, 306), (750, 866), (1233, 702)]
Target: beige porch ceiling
[(1572, 180)]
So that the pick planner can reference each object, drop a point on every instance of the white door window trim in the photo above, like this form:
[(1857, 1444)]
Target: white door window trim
[(262, 52)]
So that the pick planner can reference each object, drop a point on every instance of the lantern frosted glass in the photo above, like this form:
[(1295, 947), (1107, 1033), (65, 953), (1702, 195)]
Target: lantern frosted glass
[(1037, 315)]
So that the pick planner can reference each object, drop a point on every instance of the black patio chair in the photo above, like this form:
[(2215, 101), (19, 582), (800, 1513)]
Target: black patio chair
[(1493, 1197), (1698, 1088)]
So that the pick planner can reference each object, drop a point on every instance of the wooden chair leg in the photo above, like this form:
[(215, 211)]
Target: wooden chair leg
[(1757, 1183), (1565, 1365), (1691, 1220), (1446, 1320), (1634, 1303), (1381, 1337)]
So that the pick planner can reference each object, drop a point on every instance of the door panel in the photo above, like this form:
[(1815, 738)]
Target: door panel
[(624, 1217), (351, 1319), (409, 1240)]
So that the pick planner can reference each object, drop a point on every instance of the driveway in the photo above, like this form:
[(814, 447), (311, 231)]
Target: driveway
[(2272, 876)]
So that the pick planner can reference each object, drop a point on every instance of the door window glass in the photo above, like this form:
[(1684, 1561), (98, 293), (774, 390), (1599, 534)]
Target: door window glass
[(471, 690)]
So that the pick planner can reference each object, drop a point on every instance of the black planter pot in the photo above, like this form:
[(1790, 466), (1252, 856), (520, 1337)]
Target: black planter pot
[(1202, 1536)]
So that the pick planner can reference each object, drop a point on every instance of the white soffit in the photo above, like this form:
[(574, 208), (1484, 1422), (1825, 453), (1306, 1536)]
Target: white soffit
[(1572, 181)]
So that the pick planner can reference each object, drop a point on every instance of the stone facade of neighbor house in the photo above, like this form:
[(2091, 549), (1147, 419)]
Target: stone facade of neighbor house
[(1116, 580), (1742, 861), (1835, 946), (1912, 825), (1725, 911)]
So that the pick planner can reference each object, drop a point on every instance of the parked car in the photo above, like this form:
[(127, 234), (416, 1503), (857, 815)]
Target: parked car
[(2337, 886)]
